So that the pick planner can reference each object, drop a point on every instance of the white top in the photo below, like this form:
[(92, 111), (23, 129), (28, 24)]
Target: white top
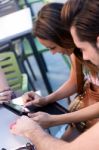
[(15, 24)]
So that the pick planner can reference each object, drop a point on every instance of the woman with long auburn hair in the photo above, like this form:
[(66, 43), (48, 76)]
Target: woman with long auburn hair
[(55, 35)]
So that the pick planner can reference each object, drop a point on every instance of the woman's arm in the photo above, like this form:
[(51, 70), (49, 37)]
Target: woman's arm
[(43, 141), (68, 88), (87, 140), (87, 113), (46, 120)]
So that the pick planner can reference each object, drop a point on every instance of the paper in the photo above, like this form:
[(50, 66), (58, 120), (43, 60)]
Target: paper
[(19, 100)]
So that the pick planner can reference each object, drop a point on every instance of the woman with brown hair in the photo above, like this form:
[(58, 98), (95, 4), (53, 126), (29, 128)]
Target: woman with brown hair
[(52, 33)]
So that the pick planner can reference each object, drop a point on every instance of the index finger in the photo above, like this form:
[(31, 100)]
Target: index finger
[(31, 94), (32, 115)]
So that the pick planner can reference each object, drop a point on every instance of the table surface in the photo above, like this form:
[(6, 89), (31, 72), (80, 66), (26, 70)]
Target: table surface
[(7, 117), (15, 24), (8, 140)]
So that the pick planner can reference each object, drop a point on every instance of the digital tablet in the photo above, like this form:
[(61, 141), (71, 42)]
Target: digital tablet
[(17, 106), (53, 109), (17, 109)]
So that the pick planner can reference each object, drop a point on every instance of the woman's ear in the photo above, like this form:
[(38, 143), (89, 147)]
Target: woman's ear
[(98, 42)]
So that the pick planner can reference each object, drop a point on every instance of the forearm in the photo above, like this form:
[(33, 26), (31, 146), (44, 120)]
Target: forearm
[(66, 90), (44, 141), (84, 114), (88, 140)]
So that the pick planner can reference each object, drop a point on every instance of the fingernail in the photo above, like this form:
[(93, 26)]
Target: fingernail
[(11, 126)]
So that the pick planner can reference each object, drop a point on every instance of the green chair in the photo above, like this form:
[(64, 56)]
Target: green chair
[(16, 80)]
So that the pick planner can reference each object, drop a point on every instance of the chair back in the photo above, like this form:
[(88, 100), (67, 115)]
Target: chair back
[(8, 6), (11, 69)]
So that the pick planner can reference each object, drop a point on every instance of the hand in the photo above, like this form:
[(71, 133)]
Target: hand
[(24, 126), (31, 98), (45, 120), (5, 95)]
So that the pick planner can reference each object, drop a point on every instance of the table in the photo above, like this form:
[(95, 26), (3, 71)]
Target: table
[(17, 25), (8, 140)]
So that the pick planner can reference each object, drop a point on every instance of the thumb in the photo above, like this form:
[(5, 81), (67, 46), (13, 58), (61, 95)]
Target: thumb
[(32, 115), (34, 102), (31, 94), (36, 119), (28, 104)]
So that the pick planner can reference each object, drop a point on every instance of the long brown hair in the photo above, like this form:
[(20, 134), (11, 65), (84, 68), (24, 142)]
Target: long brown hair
[(70, 10), (48, 25), (73, 13), (87, 25), (87, 22)]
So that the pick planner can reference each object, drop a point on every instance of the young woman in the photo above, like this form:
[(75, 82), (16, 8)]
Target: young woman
[(53, 34)]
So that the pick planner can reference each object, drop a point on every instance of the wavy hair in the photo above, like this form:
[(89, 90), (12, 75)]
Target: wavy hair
[(49, 26), (81, 14)]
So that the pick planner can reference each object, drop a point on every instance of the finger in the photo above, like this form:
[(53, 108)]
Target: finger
[(4, 101), (26, 98), (15, 131), (33, 102), (31, 94), (28, 104), (5, 98), (31, 115), (11, 126), (36, 119), (6, 89), (4, 93), (24, 117), (8, 93)]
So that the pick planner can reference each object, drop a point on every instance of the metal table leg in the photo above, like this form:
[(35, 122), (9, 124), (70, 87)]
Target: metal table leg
[(39, 62)]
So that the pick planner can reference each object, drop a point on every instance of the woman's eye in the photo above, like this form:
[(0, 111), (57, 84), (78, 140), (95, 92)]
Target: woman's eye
[(52, 48)]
